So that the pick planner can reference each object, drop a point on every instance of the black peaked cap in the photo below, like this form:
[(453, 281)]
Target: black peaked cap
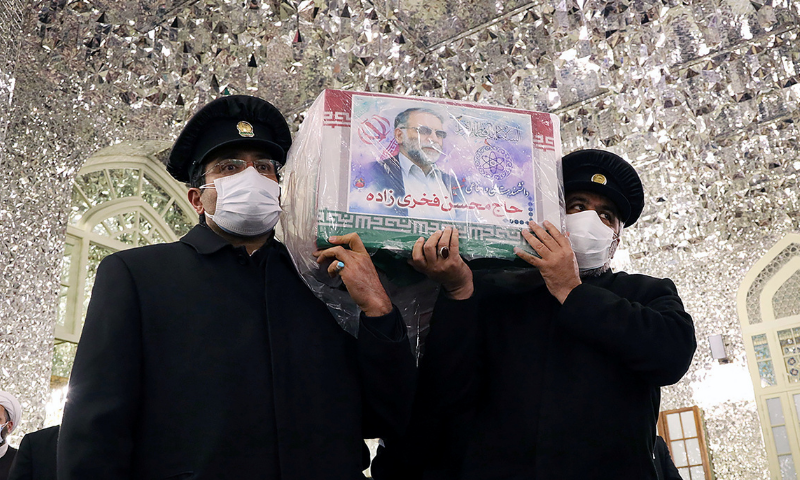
[(607, 174), (229, 121)]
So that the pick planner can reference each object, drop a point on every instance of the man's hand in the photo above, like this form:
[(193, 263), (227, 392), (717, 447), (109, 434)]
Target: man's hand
[(358, 273), (558, 265), (439, 259)]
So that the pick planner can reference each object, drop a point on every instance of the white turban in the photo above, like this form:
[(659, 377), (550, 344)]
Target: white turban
[(12, 405)]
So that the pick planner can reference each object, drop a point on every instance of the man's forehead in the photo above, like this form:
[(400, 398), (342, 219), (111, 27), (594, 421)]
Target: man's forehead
[(582, 195), (423, 117), (238, 152)]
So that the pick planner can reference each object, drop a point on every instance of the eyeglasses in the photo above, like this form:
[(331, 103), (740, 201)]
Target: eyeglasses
[(232, 166), (424, 130)]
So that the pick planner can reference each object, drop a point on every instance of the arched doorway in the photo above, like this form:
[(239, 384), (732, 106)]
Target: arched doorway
[(122, 198), (769, 311)]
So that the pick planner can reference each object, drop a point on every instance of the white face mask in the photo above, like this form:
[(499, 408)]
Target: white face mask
[(247, 203), (591, 239)]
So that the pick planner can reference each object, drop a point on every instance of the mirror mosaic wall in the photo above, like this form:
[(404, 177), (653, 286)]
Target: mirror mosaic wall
[(701, 96)]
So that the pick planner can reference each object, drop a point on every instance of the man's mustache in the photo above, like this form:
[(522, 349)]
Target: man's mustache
[(434, 146)]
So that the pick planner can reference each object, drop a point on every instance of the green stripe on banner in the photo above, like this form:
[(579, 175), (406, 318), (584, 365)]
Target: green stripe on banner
[(399, 234)]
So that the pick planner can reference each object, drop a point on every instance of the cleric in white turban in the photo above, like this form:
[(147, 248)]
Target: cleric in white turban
[(10, 415)]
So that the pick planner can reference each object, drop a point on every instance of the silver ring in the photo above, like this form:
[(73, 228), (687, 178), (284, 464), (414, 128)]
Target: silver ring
[(444, 252), (339, 266)]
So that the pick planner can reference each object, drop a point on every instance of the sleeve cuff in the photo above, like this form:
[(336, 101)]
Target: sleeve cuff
[(387, 327)]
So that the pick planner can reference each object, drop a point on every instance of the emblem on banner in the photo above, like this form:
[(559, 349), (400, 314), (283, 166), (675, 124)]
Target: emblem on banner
[(493, 162)]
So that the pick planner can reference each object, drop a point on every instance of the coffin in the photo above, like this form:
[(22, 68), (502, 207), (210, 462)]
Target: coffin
[(395, 168)]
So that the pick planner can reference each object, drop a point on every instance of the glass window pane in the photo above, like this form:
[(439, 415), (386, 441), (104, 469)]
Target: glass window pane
[(62, 306), (128, 224), (698, 473), (178, 221), (775, 411), (156, 237), (792, 368), (796, 399), (100, 229), (693, 451), (790, 350), (767, 374), (787, 467), (95, 186), (685, 475), (785, 337), (66, 262), (63, 357), (762, 352), (674, 425), (113, 225), (689, 429), (781, 437), (153, 194), (679, 453), (128, 220), (761, 345), (78, 207), (144, 225), (765, 369), (128, 237), (125, 181)]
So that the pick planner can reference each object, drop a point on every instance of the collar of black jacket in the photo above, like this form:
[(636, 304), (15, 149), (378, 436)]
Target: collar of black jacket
[(206, 242), (603, 280)]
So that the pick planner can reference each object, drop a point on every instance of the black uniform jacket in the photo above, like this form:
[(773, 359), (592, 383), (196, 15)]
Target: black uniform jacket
[(36, 458), (6, 461), (198, 361), (514, 385)]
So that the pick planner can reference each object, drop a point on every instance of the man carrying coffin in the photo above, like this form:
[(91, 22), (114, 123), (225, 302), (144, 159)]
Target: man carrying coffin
[(554, 375), (209, 358)]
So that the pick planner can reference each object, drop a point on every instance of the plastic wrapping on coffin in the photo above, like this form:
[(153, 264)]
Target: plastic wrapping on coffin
[(485, 170)]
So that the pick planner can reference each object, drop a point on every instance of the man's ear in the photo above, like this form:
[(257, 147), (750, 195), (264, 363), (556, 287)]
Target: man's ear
[(10, 426), (398, 135), (194, 198)]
